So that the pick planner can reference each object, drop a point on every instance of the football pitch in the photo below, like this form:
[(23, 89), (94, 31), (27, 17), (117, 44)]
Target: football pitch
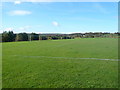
[(73, 63)]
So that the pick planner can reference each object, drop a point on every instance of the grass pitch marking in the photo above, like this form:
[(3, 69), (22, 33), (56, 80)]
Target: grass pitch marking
[(64, 57)]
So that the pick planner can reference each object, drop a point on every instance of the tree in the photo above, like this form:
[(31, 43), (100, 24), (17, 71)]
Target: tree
[(34, 36), (44, 37), (67, 37), (22, 37), (55, 37), (8, 36)]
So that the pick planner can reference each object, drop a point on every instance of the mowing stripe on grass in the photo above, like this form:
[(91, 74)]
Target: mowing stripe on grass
[(66, 57)]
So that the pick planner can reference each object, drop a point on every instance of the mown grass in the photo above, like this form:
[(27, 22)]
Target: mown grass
[(23, 68)]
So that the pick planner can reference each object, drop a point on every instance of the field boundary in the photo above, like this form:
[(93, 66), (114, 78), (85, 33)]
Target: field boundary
[(66, 57)]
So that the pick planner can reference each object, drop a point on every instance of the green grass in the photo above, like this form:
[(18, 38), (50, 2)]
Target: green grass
[(34, 64)]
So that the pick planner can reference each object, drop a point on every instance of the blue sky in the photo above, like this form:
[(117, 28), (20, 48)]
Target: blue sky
[(60, 17)]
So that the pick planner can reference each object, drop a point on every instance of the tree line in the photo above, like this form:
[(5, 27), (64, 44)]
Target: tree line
[(10, 36)]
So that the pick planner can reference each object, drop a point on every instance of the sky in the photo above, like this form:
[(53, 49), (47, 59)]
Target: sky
[(59, 17)]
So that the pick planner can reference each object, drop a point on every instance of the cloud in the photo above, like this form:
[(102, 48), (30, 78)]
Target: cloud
[(63, 0), (8, 29), (40, 0), (24, 28), (17, 2), (19, 12), (88, 19), (55, 23), (101, 8)]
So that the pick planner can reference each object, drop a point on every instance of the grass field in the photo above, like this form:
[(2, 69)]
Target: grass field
[(75, 63)]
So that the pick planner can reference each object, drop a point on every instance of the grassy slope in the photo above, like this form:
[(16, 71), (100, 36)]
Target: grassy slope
[(27, 72)]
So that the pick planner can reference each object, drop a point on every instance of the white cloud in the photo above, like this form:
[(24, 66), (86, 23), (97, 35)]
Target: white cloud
[(8, 29), (17, 2), (63, 0), (55, 23), (19, 12), (24, 28), (40, 0), (101, 8)]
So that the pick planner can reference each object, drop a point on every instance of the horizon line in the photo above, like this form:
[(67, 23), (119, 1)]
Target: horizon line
[(58, 32)]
